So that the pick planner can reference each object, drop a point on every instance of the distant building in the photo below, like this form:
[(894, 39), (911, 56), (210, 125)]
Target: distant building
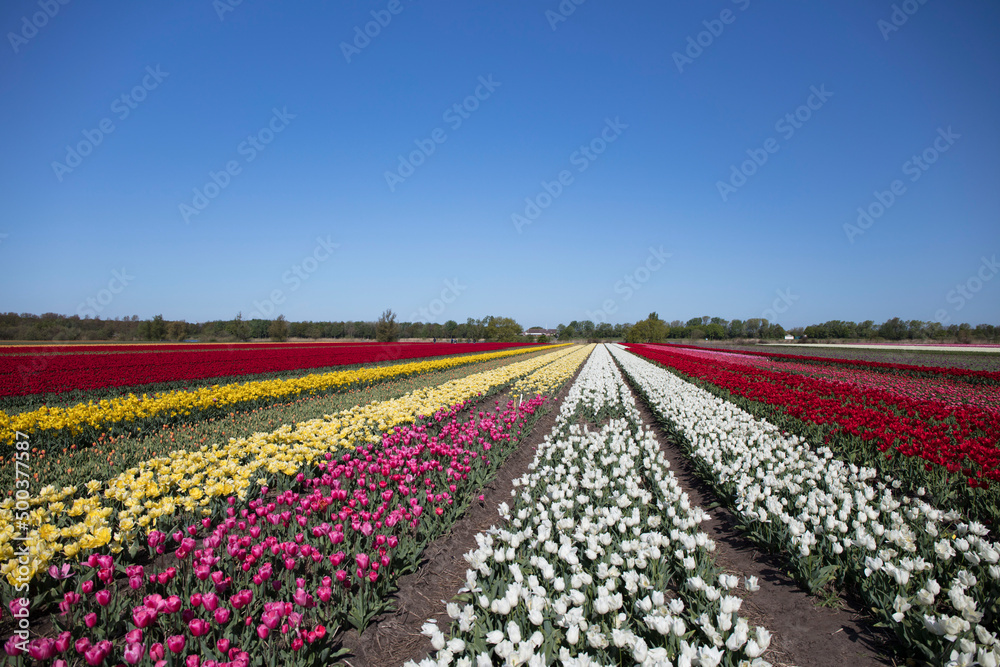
[(538, 331), (789, 337)]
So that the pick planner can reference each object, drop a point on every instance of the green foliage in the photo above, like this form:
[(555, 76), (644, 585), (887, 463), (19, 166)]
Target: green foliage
[(386, 329), (239, 329), (502, 329), (279, 329)]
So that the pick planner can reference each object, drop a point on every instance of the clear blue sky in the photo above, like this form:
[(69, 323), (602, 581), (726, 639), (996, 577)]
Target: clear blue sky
[(199, 81)]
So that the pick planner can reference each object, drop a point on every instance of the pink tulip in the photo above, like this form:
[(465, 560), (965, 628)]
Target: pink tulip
[(192, 661), (143, 617), (199, 627), (94, 656), (210, 600), (223, 646), (63, 641), (324, 593), (221, 616), (263, 631), (195, 599), (60, 573), (156, 651), (81, 644), (87, 586), (90, 620), (134, 636), (42, 648), (176, 643), (133, 653), (173, 604), (270, 619), (103, 597)]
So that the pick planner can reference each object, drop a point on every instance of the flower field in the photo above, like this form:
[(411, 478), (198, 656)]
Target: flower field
[(304, 529), (60, 427), (263, 546), (936, 432), (600, 560), (931, 574), (91, 369)]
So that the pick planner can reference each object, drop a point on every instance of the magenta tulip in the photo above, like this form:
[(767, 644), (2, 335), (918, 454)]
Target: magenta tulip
[(176, 643)]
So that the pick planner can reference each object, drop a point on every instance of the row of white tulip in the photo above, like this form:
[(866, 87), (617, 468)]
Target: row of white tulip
[(600, 560), (839, 521)]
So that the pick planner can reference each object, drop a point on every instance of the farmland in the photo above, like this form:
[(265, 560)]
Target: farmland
[(261, 519)]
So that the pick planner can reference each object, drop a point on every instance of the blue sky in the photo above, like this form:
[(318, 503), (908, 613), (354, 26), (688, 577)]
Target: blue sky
[(647, 111)]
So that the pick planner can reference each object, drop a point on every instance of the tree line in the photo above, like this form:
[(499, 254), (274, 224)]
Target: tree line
[(55, 327)]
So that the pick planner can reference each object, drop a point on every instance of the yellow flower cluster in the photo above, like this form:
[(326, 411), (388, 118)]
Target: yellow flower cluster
[(554, 375), (103, 413), (189, 480)]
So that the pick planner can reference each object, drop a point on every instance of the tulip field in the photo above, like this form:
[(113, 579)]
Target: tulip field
[(266, 538)]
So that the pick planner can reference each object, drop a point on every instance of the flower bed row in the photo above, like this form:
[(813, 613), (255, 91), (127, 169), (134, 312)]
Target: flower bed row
[(941, 372), (59, 427), (280, 577), (65, 524), (64, 372), (931, 575), (600, 560), (950, 450), (272, 582)]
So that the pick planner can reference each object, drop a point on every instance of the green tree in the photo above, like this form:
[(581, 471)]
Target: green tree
[(177, 330), (502, 329), (239, 329), (279, 329), (386, 329)]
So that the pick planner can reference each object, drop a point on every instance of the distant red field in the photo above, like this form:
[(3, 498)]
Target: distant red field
[(6, 350), (43, 370)]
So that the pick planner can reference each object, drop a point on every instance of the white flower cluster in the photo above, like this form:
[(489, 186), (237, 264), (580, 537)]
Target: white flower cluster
[(600, 560), (900, 550)]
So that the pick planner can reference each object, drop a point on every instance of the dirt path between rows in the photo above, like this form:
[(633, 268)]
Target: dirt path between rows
[(394, 638), (803, 632)]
